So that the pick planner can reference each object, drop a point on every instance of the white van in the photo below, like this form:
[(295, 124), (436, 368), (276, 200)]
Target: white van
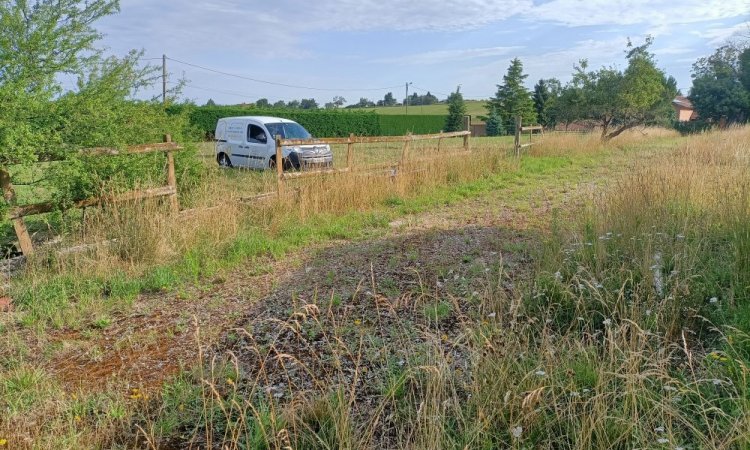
[(249, 142)]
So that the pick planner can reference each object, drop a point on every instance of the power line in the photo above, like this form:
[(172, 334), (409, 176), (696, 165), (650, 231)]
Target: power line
[(256, 80), (235, 93)]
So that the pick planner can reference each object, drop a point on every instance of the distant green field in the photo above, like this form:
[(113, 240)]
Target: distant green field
[(473, 107)]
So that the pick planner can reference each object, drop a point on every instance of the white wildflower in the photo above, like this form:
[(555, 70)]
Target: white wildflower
[(475, 294), (713, 300), (659, 429), (540, 373), (607, 322), (558, 276), (680, 237), (663, 441), (517, 432), (648, 312), (491, 315), (670, 388), (717, 382), (575, 394)]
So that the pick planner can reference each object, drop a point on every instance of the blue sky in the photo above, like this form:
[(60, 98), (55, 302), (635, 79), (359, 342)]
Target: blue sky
[(353, 48)]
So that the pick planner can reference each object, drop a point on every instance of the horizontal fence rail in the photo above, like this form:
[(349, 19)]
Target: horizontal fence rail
[(520, 129), (18, 212), (350, 142)]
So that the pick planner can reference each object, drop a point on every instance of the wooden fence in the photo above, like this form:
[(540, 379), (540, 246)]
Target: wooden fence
[(520, 129), (350, 142), (18, 212)]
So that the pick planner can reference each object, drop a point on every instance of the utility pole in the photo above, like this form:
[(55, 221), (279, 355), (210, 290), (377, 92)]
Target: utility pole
[(407, 98), (164, 80)]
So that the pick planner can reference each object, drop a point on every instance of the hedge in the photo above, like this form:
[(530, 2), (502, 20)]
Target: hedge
[(321, 123)]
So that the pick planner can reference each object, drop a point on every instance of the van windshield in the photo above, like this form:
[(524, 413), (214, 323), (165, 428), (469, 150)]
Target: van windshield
[(288, 130)]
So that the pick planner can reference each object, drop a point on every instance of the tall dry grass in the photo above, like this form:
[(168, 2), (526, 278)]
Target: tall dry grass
[(633, 334)]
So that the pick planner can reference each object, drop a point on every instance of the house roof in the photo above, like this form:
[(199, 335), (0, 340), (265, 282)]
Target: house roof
[(682, 102)]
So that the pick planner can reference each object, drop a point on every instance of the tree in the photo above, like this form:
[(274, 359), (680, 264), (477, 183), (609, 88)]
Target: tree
[(338, 101), (494, 124), (308, 103), (389, 100), (294, 104), (280, 104), (721, 85), (262, 103), (42, 120), (428, 99), (617, 101), (545, 95), (456, 112), (210, 102), (512, 98)]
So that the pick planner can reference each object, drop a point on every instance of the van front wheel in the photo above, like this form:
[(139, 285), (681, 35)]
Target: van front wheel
[(224, 161), (287, 164)]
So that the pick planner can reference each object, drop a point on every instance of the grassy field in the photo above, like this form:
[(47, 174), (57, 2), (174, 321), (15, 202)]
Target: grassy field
[(584, 296), (473, 107)]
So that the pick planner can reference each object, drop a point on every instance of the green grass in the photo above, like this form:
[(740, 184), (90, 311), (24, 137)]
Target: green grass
[(473, 107)]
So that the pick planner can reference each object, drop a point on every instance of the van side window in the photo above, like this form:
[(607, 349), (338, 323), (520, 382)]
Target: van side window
[(256, 134)]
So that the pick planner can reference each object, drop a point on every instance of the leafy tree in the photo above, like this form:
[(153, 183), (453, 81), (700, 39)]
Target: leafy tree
[(720, 85), (494, 124), (389, 100), (744, 68), (338, 101), (546, 93), (210, 102), (512, 98), (364, 103), (262, 103), (294, 104), (456, 112), (616, 100), (308, 103), (280, 104), (428, 99), (42, 120)]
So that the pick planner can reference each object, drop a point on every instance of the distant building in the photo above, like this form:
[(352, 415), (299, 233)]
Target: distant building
[(684, 109)]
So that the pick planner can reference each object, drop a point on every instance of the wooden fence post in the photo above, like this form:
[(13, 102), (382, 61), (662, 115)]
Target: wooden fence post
[(467, 147), (350, 152), (171, 177), (24, 240), (405, 151), (279, 166), (517, 141)]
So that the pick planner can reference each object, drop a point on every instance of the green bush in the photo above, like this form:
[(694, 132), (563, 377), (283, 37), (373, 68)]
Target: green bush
[(692, 127), (320, 123)]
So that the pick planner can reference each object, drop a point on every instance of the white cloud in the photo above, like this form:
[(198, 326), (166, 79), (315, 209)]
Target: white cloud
[(634, 12), (717, 36), (442, 56), (411, 15)]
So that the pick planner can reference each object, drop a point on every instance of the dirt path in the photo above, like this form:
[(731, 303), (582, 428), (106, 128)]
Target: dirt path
[(422, 261)]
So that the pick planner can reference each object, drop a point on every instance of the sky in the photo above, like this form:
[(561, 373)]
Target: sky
[(366, 48)]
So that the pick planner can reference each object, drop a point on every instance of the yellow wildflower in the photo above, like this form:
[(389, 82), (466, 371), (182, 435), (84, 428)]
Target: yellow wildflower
[(357, 322), (77, 418), (230, 381), (444, 337), (3, 442)]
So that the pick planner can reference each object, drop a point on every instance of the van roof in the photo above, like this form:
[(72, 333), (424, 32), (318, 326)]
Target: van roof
[(262, 119)]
